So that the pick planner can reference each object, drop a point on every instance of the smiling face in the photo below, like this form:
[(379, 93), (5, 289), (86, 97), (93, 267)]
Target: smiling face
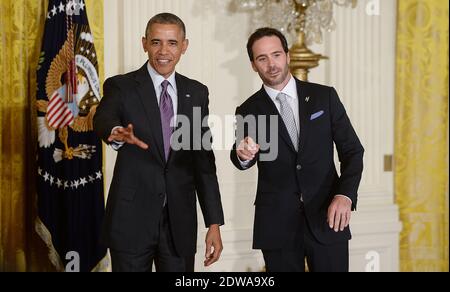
[(164, 44), (271, 62)]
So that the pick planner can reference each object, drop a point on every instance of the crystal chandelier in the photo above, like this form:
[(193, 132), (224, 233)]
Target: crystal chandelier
[(301, 21)]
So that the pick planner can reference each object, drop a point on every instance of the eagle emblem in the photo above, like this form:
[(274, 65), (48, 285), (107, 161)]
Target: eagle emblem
[(73, 91)]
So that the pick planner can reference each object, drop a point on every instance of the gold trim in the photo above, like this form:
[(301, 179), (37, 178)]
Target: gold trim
[(58, 67), (388, 163), (102, 266), (85, 124), (46, 236), (42, 106)]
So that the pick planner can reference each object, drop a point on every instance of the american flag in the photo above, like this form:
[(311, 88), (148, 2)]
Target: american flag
[(58, 113), (69, 174)]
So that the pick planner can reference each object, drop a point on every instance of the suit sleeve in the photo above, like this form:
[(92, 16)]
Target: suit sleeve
[(206, 179), (109, 112), (349, 149), (233, 154)]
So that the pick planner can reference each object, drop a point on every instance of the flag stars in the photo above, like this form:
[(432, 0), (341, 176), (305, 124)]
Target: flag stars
[(69, 5), (83, 181), (81, 5), (76, 184), (65, 8)]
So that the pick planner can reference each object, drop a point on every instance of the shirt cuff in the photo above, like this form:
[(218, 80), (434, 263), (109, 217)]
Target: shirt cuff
[(345, 197), (116, 145), (244, 164)]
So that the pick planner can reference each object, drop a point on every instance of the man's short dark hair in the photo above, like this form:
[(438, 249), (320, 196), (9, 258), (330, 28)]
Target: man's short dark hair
[(166, 18), (265, 32)]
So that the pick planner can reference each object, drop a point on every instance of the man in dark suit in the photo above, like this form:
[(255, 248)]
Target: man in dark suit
[(303, 206), (151, 214)]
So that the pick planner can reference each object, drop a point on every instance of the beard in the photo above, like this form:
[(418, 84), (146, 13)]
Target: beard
[(277, 80)]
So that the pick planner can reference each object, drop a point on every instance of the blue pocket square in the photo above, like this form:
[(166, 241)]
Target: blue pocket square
[(317, 115)]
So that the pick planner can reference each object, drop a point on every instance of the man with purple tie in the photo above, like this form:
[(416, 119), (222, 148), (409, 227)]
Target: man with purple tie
[(151, 214)]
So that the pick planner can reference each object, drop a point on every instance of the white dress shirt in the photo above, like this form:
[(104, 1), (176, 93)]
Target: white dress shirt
[(172, 89), (290, 90), (157, 81)]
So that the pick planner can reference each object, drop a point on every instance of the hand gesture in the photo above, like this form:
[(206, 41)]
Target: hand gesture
[(214, 245), (126, 135), (247, 149), (339, 213)]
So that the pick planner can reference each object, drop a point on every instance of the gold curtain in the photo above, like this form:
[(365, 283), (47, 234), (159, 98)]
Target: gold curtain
[(21, 31), (421, 142)]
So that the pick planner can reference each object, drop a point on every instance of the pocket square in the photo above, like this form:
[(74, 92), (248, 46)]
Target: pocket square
[(317, 115)]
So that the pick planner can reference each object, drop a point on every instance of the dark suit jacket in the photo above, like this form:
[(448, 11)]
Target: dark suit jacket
[(142, 178), (310, 172)]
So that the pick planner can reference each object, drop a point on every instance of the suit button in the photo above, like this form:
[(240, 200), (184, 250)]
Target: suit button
[(166, 171), (299, 167), (161, 195)]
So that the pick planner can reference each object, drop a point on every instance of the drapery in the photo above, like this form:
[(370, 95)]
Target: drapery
[(21, 29), (421, 142)]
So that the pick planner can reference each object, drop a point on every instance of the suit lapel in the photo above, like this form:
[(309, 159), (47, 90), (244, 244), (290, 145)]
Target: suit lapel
[(147, 95), (304, 100), (268, 104), (184, 104), (183, 96)]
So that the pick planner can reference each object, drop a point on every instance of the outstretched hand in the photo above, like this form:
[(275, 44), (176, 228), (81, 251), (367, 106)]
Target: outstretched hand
[(247, 149), (126, 135)]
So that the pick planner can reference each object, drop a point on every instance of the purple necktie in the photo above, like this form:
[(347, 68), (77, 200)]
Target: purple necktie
[(166, 109)]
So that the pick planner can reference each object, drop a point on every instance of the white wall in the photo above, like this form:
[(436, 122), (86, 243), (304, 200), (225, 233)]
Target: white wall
[(361, 67)]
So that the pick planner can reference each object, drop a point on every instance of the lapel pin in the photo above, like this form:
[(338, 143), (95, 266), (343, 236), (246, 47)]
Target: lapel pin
[(307, 99), (188, 95)]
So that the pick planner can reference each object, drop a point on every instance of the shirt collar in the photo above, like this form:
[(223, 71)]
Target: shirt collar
[(290, 90), (158, 78)]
